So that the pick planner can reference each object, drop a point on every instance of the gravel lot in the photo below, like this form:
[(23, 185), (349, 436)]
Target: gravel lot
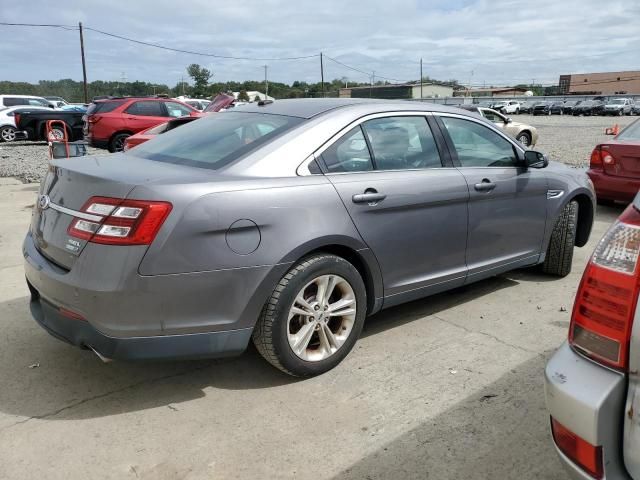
[(564, 138)]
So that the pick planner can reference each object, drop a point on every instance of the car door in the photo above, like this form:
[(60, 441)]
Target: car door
[(407, 202), (144, 114), (507, 202)]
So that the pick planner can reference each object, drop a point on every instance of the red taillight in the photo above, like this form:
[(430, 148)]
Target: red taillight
[(579, 451), (120, 222), (16, 119), (596, 159), (70, 314), (606, 300)]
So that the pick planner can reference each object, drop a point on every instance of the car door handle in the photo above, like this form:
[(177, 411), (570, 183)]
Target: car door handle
[(485, 186), (370, 197)]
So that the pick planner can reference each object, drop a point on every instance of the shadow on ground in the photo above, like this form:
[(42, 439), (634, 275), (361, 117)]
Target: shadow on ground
[(500, 432), (63, 376)]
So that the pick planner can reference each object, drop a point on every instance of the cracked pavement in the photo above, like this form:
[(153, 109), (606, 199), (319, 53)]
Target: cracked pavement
[(446, 387)]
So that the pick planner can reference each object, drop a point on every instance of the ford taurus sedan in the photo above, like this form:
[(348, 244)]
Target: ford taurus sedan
[(288, 224), (592, 384)]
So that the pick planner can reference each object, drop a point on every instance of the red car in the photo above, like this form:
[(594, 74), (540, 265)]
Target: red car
[(615, 166), (221, 102), (108, 123)]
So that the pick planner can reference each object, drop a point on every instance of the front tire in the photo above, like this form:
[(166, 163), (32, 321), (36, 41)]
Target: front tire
[(117, 142), (563, 238), (524, 138), (313, 317)]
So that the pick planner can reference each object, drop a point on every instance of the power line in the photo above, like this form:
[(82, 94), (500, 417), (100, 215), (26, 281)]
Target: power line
[(65, 27), (368, 74), (202, 54)]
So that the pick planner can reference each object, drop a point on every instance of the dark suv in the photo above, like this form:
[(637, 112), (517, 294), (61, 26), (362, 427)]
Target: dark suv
[(109, 122)]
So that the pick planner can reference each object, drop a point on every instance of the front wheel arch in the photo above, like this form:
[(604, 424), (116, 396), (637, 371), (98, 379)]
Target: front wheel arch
[(585, 218)]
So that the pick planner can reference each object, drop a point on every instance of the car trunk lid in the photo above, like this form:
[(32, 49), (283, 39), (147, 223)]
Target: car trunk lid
[(70, 183), (621, 159)]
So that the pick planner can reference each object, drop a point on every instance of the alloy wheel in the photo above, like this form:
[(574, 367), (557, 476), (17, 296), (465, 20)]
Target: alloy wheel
[(321, 318), (8, 134)]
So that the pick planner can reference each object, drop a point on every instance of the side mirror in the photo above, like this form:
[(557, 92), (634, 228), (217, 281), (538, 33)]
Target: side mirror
[(533, 159), (508, 120)]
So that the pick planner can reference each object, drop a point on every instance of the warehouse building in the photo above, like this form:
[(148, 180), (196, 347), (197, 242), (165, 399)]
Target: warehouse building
[(406, 91), (491, 92), (606, 83)]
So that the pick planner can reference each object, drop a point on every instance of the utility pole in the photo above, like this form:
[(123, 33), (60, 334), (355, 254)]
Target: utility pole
[(84, 65), (421, 78), (182, 82), (322, 74), (266, 83)]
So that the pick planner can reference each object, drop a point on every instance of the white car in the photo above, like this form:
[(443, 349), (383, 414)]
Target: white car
[(24, 100), (7, 121), (507, 106)]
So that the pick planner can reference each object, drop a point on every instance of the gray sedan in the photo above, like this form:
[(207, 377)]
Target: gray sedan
[(288, 223)]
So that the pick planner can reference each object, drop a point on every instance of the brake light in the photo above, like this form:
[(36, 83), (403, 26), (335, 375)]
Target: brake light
[(16, 119), (93, 118), (120, 222), (579, 451), (606, 300)]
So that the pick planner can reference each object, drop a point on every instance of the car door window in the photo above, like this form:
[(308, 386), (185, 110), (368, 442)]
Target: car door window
[(492, 117), (350, 153), (401, 143), (479, 146), (176, 110), (146, 109)]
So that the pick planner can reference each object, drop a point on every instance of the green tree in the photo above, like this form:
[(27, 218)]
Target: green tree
[(243, 97), (257, 98), (200, 76)]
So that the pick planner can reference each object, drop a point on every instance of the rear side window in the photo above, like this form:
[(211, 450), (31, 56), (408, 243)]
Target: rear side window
[(348, 154), (216, 140), (479, 146), (13, 101), (401, 143), (146, 109), (103, 107), (632, 132), (175, 109)]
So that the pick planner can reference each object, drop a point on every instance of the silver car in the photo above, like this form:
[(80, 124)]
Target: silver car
[(592, 384), (288, 223)]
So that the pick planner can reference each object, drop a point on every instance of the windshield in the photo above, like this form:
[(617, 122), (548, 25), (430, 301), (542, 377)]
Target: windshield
[(215, 140), (617, 101), (632, 132)]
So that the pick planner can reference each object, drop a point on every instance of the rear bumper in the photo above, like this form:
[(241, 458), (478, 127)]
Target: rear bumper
[(614, 188), (128, 315), (82, 334), (588, 400)]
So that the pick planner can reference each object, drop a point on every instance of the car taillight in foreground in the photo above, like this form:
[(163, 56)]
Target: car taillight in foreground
[(606, 300), (579, 451), (121, 222), (600, 157)]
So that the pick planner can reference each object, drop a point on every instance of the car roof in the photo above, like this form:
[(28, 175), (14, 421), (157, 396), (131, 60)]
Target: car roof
[(311, 107), (21, 96)]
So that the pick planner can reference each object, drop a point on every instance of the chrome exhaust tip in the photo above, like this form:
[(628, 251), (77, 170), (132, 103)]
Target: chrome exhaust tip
[(100, 356)]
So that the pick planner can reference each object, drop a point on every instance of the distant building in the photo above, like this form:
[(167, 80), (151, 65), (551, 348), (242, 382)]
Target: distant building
[(491, 92), (407, 91), (606, 83)]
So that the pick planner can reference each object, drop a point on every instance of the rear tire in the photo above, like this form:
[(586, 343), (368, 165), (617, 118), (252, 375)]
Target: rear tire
[(524, 138), (7, 134), (563, 238), (276, 332), (117, 142)]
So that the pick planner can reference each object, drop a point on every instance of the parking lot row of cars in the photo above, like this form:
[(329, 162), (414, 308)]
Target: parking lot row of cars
[(597, 106)]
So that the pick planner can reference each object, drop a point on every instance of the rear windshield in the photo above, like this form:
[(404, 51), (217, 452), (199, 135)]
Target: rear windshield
[(215, 140), (104, 107), (632, 132)]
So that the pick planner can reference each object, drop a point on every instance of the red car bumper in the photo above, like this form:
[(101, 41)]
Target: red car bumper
[(609, 187)]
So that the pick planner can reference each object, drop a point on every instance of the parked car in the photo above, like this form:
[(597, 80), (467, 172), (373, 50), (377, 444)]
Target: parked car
[(8, 123), (527, 107), (59, 100), (221, 102), (618, 106), (615, 166), (507, 106), (589, 107), (25, 100), (591, 382), (542, 108), (569, 106), (149, 133), (32, 124), (108, 123), (557, 107), (273, 223), (525, 134), (197, 103), (635, 108)]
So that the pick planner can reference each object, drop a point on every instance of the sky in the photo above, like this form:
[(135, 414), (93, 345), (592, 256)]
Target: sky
[(477, 42)]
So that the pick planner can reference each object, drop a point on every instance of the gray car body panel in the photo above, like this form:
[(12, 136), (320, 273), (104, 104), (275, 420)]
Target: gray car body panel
[(233, 233), (631, 443)]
